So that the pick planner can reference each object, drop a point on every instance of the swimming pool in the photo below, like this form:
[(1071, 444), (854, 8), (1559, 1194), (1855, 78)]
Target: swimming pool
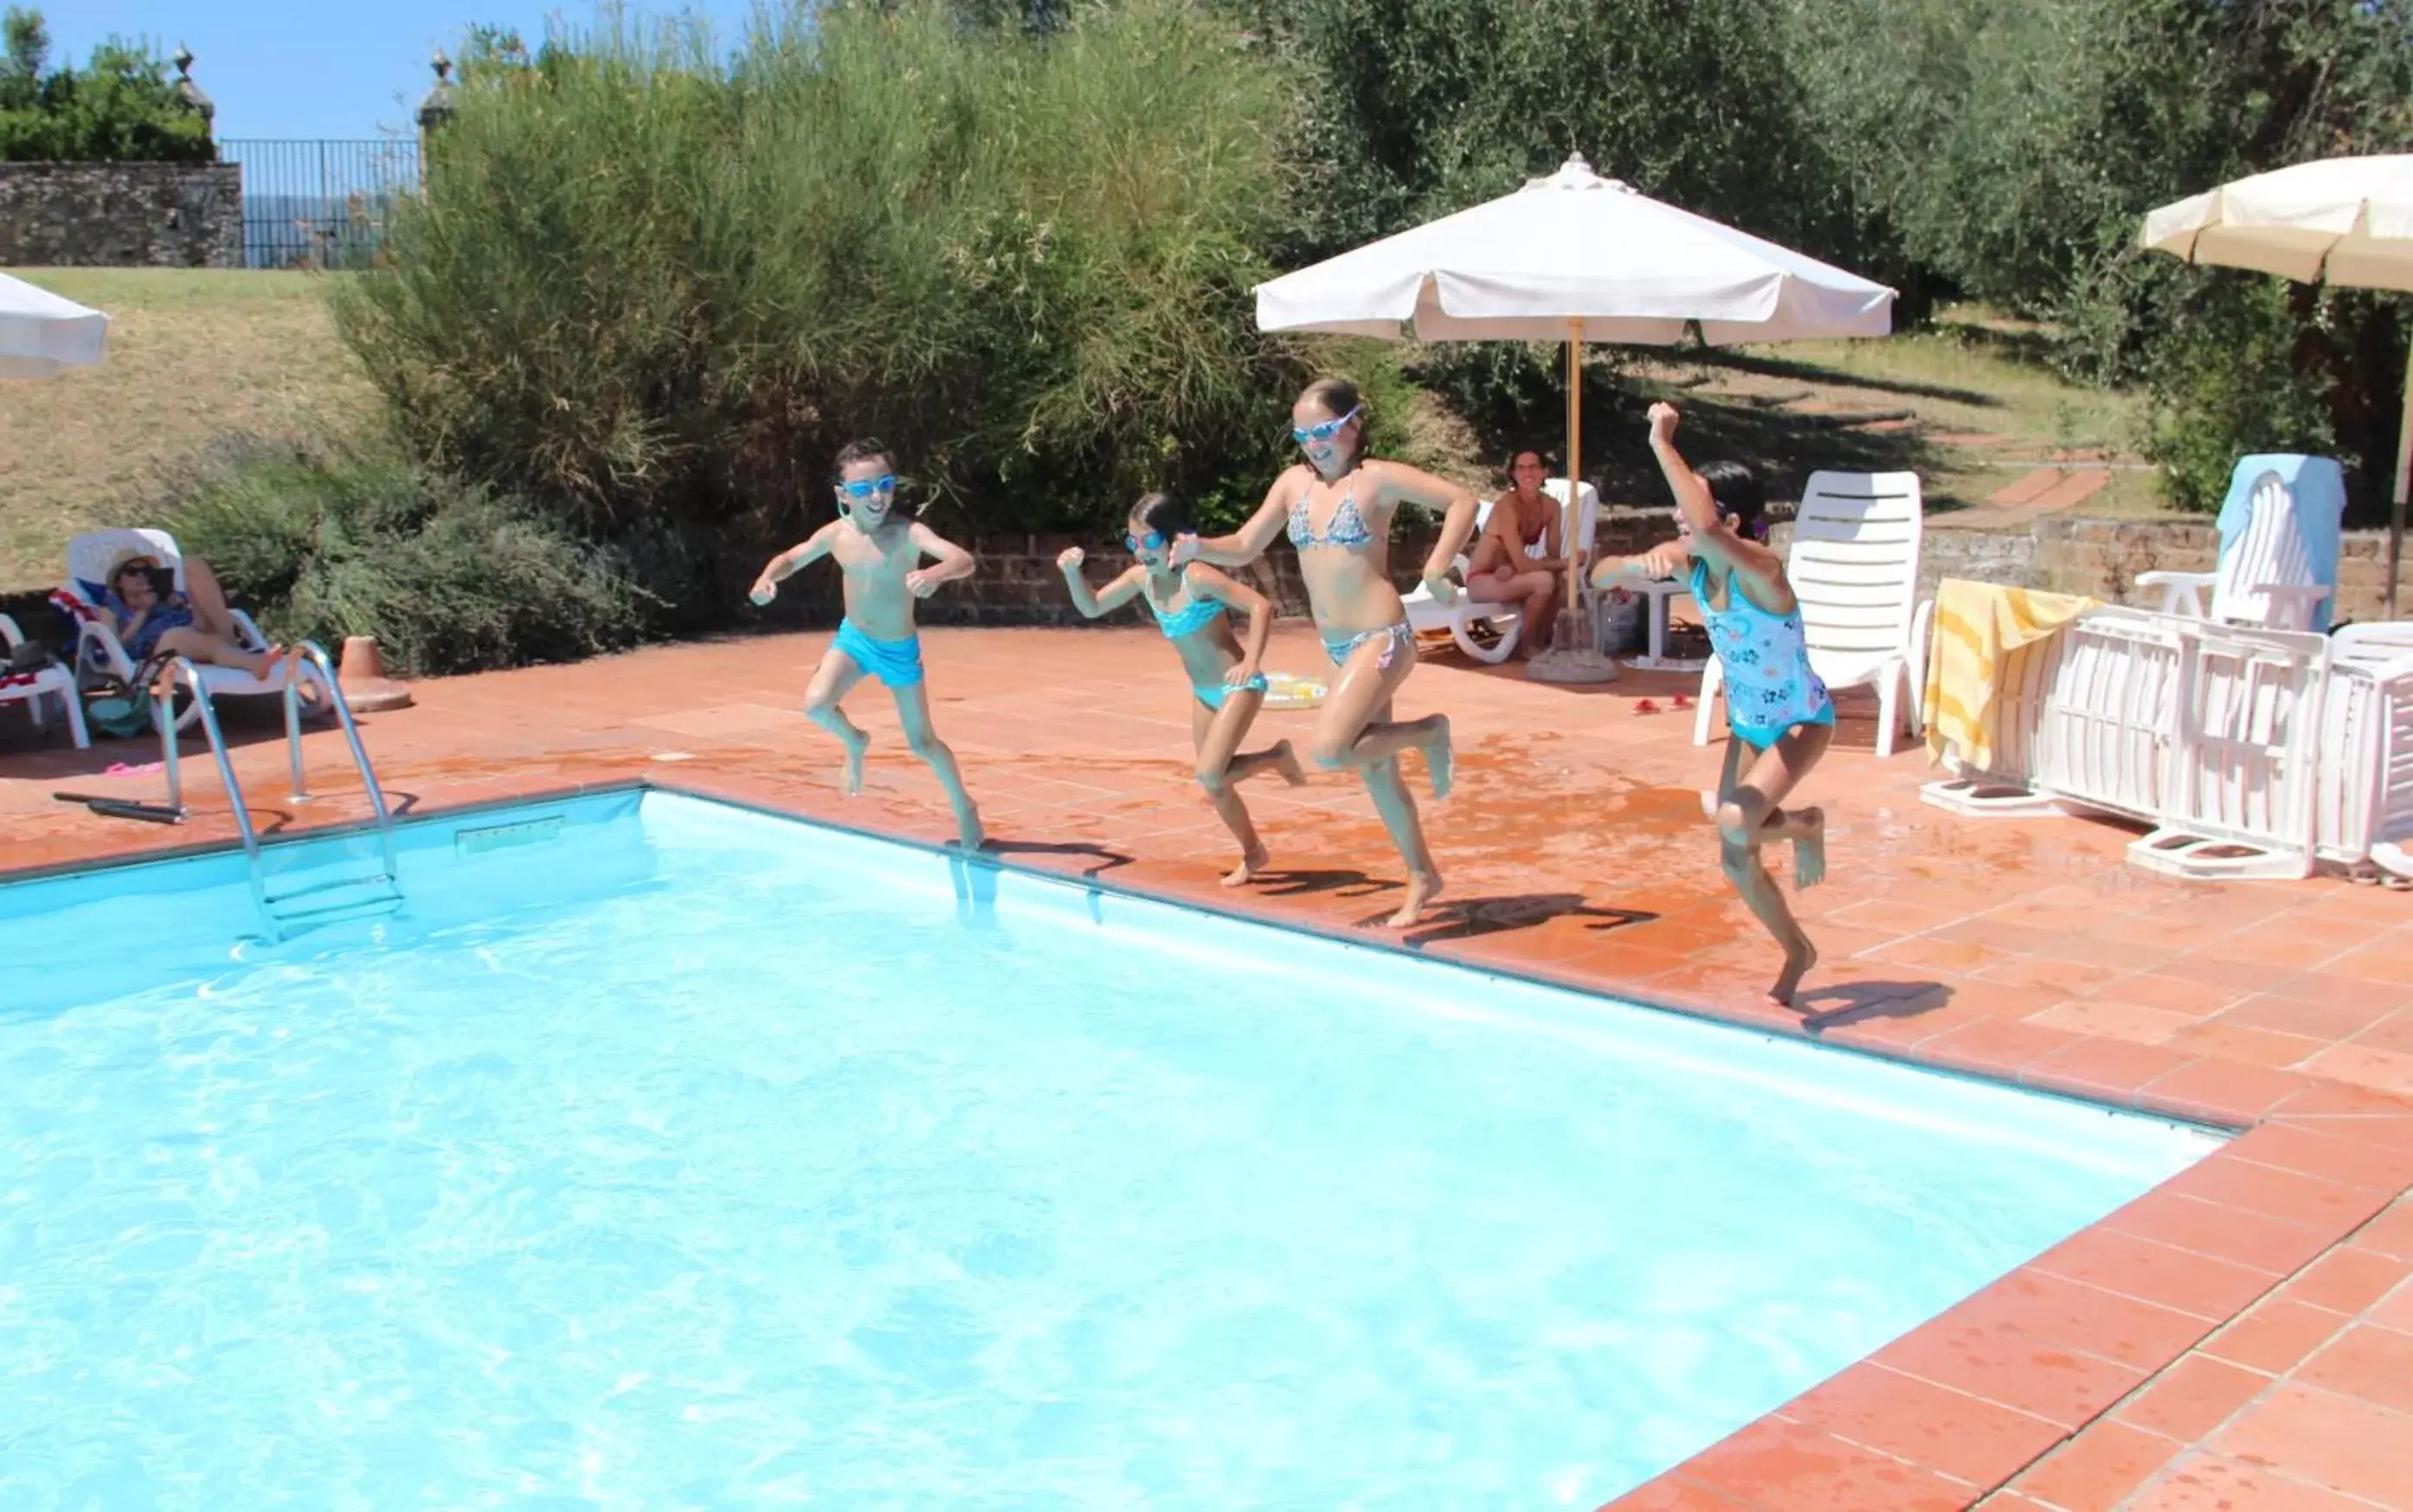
[(669, 1155)]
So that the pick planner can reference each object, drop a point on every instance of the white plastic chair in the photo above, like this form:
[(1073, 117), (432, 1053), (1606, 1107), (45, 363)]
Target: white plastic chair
[(1854, 566), (1505, 621), (98, 652), (33, 687), (2265, 580)]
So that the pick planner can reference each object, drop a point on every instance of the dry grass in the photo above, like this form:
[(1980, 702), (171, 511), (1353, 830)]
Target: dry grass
[(193, 355), (1967, 404)]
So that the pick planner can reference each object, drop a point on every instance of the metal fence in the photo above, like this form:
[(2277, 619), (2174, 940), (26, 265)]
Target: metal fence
[(318, 204)]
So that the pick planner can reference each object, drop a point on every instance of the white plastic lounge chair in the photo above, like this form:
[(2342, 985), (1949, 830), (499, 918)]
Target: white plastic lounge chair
[(2278, 557), (33, 687), (98, 653), (2251, 753), (1505, 621), (1855, 568)]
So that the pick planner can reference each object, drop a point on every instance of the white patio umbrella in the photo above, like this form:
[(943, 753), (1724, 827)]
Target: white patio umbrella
[(2342, 220), (43, 335), (1576, 258)]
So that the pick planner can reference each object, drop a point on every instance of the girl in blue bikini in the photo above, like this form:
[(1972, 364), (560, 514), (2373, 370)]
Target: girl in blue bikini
[(1336, 506), (1193, 605), (1776, 706)]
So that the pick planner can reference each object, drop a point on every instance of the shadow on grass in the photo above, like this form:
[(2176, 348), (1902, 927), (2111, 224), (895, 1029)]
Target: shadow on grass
[(1838, 378), (1783, 448)]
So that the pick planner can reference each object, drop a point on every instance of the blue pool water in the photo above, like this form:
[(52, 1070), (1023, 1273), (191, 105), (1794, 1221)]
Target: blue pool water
[(669, 1156)]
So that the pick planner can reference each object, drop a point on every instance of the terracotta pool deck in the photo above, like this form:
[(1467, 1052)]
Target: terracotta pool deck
[(2240, 1337)]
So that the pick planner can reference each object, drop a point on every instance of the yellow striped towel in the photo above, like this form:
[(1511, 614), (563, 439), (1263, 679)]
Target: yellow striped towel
[(1977, 626)]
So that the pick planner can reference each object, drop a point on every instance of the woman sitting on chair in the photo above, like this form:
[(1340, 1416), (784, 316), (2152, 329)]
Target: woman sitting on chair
[(1500, 571), (153, 619)]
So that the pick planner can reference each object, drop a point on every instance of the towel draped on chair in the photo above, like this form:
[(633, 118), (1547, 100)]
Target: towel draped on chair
[(1977, 627)]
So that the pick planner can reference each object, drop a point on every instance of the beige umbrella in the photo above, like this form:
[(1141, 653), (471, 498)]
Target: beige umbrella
[(1576, 258), (2342, 220)]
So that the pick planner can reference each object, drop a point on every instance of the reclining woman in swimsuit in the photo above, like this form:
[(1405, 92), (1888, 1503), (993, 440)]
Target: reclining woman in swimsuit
[(1337, 507), (1227, 684), (151, 618)]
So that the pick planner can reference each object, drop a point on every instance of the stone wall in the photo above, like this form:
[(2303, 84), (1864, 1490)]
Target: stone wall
[(2101, 558), (121, 214)]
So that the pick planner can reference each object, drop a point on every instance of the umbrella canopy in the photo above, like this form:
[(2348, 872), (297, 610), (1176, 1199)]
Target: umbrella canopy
[(43, 335), (1576, 258), (1576, 246), (2342, 220)]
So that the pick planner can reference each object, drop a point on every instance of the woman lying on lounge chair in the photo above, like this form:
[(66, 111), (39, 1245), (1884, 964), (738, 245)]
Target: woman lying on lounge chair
[(153, 619)]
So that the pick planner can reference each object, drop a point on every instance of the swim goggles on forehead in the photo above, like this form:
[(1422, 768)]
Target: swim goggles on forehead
[(1322, 430), (868, 487)]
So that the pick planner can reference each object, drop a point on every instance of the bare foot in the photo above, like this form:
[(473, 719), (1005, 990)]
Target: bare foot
[(1798, 957), (1809, 835), (1423, 888), (1439, 758), (855, 762), (1286, 763), (968, 826), (1252, 862)]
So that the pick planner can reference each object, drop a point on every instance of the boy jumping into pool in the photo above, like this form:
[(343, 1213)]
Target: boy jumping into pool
[(1191, 606), (1776, 705), (879, 557)]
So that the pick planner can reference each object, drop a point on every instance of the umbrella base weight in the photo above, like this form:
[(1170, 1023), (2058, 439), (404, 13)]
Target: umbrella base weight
[(1571, 665)]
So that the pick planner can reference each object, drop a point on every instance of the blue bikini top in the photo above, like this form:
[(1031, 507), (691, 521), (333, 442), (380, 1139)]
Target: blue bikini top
[(1347, 531), (1189, 619)]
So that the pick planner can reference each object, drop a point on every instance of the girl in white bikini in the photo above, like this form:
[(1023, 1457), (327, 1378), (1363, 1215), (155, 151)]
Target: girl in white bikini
[(1337, 507)]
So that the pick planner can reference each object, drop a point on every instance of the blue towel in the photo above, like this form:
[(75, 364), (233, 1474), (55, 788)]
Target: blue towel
[(2320, 486)]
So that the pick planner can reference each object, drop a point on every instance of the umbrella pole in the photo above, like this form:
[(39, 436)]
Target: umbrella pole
[(2404, 474), (1574, 447), (1576, 657)]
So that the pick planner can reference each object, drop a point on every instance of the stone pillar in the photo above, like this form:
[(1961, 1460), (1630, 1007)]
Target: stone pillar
[(436, 107)]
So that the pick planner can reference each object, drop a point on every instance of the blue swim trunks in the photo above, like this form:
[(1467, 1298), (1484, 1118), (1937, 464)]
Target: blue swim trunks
[(896, 663)]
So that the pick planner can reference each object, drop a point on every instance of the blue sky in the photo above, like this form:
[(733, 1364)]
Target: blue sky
[(292, 69)]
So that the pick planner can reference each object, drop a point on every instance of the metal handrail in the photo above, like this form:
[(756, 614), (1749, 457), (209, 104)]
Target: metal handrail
[(181, 668), (317, 656)]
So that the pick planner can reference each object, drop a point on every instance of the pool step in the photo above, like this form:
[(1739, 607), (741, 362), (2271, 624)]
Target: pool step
[(332, 900)]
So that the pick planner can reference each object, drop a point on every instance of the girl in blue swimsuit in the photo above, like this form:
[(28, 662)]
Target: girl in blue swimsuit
[(1336, 506), (1192, 606), (1776, 706)]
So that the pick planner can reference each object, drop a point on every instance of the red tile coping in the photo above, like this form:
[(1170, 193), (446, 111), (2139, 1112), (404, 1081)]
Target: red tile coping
[(2202, 1345)]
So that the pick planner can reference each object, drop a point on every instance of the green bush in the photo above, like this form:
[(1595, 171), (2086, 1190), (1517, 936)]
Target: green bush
[(448, 577), (655, 291), (120, 108), (2257, 365)]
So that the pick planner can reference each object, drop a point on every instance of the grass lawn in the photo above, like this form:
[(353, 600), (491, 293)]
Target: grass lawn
[(194, 355), (1963, 403)]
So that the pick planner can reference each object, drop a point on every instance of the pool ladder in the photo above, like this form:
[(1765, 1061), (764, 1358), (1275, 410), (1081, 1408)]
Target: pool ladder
[(312, 905)]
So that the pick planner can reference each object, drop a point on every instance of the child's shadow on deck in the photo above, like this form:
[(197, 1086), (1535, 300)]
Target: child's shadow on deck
[(1471, 918), (1846, 1004), (1107, 860)]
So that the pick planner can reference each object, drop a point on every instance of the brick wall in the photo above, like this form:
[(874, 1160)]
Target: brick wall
[(120, 216)]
